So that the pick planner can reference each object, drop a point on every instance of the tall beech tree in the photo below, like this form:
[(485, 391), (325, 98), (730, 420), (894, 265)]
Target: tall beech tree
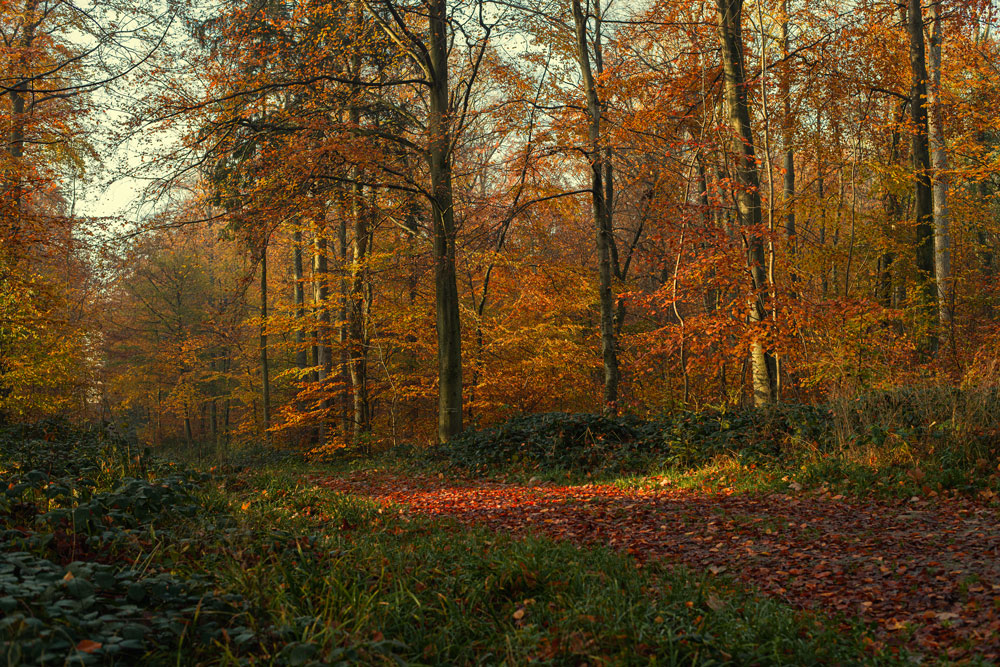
[(940, 176), (923, 195), (747, 195), (600, 189)]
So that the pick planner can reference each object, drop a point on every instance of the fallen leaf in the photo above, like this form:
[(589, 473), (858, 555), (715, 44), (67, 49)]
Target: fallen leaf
[(88, 646)]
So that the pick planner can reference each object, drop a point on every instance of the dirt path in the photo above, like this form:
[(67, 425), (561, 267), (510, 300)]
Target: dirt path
[(927, 573)]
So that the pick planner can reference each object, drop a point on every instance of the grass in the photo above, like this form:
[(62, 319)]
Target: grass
[(446, 595), (262, 567)]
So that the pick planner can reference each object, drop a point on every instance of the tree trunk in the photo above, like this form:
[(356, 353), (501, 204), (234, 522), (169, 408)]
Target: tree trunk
[(602, 215), (265, 378), (343, 327), (939, 164), (321, 299), (921, 166), (358, 350), (449, 326), (748, 194), (299, 293), (788, 190), (893, 214), (214, 424), (359, 302)]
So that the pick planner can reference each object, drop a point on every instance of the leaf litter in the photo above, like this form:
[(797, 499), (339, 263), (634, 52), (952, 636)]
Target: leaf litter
[(925, 573)]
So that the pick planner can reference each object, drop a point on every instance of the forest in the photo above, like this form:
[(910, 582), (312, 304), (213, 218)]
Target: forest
[(499, 332)]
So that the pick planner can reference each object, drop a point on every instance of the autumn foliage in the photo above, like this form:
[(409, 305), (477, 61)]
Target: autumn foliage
[(289, 278)]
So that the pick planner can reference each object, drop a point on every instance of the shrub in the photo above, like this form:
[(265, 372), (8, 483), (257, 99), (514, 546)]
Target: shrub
[(557, 440)]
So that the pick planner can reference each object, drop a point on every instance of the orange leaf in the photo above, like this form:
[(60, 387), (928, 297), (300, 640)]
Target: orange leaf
[(88, 646)]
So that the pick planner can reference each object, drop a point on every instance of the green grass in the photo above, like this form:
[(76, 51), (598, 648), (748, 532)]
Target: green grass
[(446, 595)]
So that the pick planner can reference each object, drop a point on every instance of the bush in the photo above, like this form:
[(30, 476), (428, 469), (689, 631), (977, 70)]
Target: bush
[(954, 428), (558, 440), (593, 443)]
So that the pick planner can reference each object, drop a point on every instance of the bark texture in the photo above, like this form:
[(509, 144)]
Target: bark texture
[(923, 206)]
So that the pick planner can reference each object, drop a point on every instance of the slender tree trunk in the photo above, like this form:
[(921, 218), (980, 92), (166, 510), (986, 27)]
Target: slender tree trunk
[(359, 304), (748, 195), (265, 377), (921, 166), (343, 325), (158, 432), (602, 215), (358, 316), (299, 294), (449, 326), (821, 196), (939, 163), (893, 214), (788, 127), (213, 407), (321, 299), (188, 434)]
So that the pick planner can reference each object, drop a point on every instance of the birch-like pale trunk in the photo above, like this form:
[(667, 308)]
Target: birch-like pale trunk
[(940, 180), (748, 194)]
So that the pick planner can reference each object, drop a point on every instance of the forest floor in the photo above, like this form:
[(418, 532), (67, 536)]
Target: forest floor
[(924, 571), (109, 555)]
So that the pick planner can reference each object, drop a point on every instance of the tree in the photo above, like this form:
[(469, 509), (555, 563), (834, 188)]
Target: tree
[(923, 203), (600, 186), (748, 193), (940, 177)]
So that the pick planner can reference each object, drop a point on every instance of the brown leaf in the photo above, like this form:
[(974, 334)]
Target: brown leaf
[(88, 646)]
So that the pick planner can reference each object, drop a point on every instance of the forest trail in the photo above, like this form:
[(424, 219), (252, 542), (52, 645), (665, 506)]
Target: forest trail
[(927, 571)]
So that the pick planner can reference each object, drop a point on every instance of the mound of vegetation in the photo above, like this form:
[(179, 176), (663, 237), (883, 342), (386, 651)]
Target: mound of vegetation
[(948, 430), (556, 440), (589, 443)]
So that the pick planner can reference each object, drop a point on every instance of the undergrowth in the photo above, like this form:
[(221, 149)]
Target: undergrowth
[(112, 557), (897, 443)]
